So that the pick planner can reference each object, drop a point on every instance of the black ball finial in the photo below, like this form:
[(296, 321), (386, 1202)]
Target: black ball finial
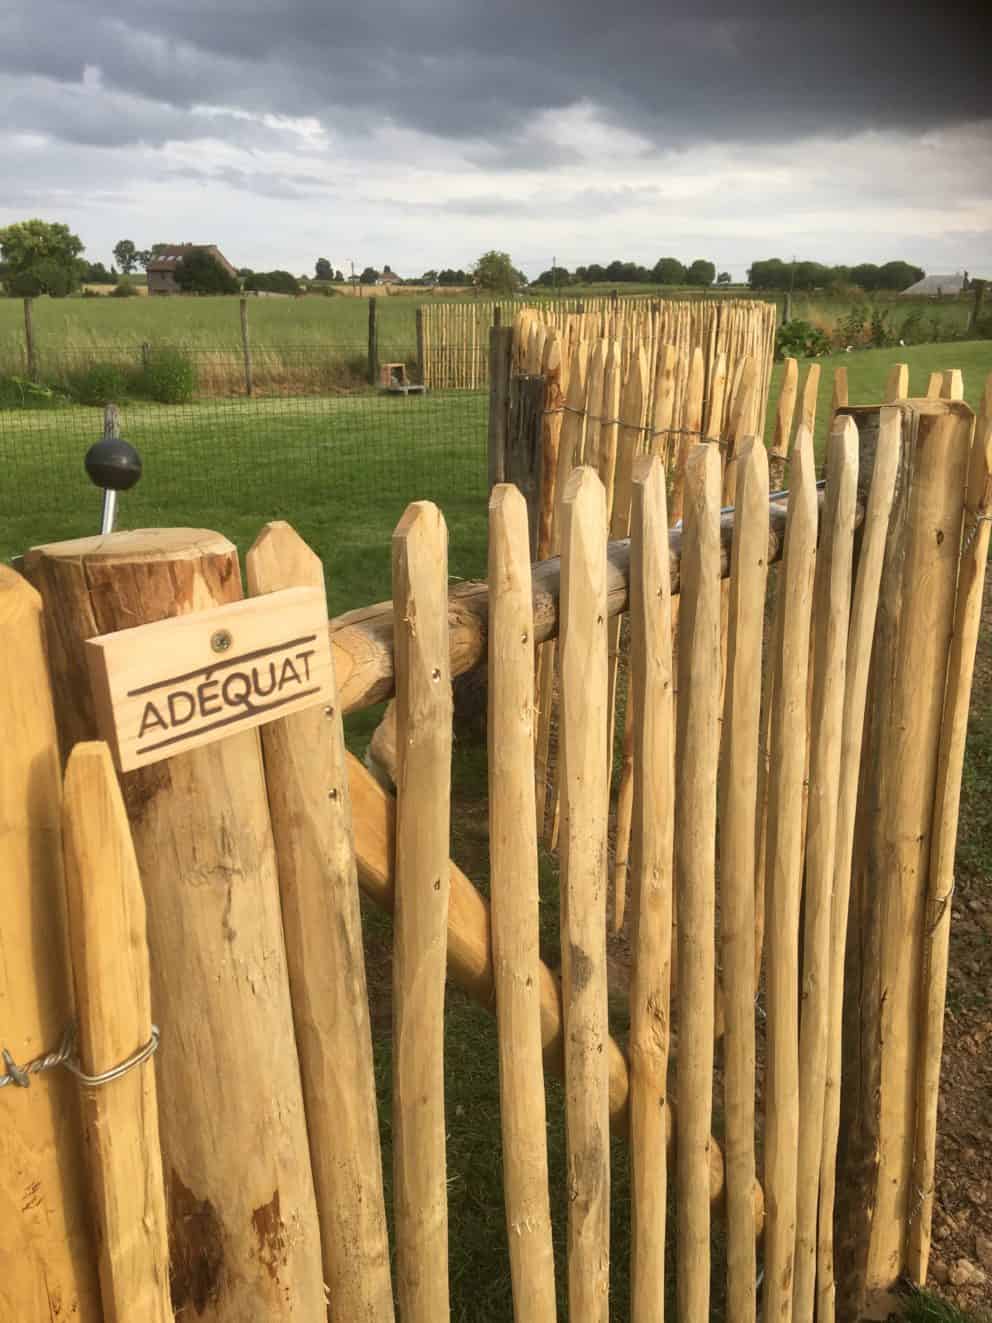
[(113, 464)]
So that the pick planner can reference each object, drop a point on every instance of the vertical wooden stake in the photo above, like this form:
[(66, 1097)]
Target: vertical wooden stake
[(29, 347), (307, 782), (692, 422), (583, 894), (935, 385), (500, 362), (896, 383), (784, 880), (811, 387), (783, 423), (861, 634), (651, 699), (423, 879), (48, 1249), (738, 798), (952, 386), (421, 372), (960, 670), (695, 859), (838, 394), (373, 342), (831, 612), (246, 348), (113, 1006), (515, 899)]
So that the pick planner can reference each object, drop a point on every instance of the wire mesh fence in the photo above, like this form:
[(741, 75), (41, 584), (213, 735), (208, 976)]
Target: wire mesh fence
[(341, 469)]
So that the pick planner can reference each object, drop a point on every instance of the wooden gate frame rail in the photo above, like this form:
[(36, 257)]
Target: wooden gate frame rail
[(362, 640)]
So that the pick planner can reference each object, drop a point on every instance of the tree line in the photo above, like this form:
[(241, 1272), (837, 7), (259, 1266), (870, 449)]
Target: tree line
[(666, 271), (773, 273)]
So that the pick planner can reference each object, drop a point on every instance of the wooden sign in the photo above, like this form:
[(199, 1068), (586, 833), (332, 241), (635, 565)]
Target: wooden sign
[(164, 688)]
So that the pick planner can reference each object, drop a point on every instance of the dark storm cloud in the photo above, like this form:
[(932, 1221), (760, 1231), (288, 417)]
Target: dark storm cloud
[(477, 69)]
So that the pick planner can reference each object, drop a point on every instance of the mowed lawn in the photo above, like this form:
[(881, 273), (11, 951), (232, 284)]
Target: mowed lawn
[(342, 471)]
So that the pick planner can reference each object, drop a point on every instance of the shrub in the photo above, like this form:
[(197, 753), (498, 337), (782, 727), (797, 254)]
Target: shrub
[(168, 377), (880, 332), (983, 328), (851, 327), (19, 393), (799, 339), (911, 331), (124, 290), (99, 383)]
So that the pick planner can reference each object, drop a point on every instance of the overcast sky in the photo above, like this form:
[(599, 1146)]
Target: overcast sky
[(422, 133)]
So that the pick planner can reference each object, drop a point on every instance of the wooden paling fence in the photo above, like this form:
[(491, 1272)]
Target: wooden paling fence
[(454, 337), (238, 1174)]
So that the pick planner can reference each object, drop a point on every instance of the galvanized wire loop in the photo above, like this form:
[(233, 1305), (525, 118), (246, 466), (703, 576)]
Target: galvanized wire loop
[(65, 1055), (973, 531)]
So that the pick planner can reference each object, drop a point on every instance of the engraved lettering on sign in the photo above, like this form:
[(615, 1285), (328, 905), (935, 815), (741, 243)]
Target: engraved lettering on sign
[(230, 690)]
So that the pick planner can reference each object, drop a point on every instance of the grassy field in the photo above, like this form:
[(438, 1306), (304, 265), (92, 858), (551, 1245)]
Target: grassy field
[(341, 471)]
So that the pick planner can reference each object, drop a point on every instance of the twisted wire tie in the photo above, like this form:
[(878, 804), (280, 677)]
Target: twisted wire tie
[(65, 1055)]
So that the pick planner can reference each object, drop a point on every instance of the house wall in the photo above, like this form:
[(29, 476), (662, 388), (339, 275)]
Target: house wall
[(162, 282)]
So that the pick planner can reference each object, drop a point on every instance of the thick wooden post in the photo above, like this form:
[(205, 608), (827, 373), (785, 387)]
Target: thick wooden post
[(113, 1004), (242, 1216), (524, 456), (246, 347), (373, 342), (500, 367), (891, 866), (307, 782), (48, 1248), (783, 423), (29, 346)]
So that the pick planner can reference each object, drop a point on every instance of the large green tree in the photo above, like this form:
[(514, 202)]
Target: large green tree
[(126, 253), (668, 271), (701, 272), (40, 257), (323, 269), (200, 273), (495, 271)]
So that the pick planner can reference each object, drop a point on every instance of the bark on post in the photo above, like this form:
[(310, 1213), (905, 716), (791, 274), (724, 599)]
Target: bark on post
[(890, 872), (524, 452), (421, 377), (784, 414), (243, 1221), (113, 1004), (307, 782), (48, 1251), (500, 366)]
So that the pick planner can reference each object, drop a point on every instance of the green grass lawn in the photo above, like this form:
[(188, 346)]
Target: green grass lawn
[(342, 471)]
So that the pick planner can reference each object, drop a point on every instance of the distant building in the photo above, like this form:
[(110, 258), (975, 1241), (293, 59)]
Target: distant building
[(161, 270), (937, 285), (388, 277)]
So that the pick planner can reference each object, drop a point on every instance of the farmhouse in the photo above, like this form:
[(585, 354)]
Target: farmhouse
[(161, 270), (937, 285)]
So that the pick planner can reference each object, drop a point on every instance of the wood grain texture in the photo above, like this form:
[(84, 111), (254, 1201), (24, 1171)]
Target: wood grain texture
[(890, 872), (861, 634), (940, 885), (310, 804), (738, 806), (790, 662), (48, 1254), (420, 915), (830, 627), (695, 863), (784, 414), (651, 701), (808, 404), (111, 975), (583, 894), (514, 911), (220, 988), (896, 383)]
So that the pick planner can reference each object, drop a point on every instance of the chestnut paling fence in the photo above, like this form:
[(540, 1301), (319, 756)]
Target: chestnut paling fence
[(217, 894)]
